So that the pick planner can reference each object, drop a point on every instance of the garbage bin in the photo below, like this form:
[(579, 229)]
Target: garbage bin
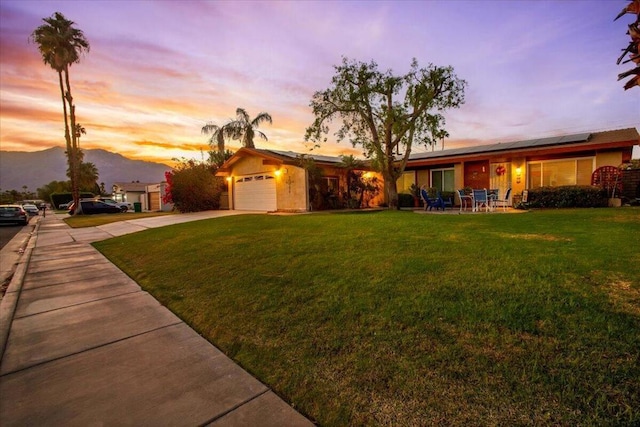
[(137, 207)]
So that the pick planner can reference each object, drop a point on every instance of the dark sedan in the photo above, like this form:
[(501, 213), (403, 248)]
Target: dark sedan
[(90, 207)]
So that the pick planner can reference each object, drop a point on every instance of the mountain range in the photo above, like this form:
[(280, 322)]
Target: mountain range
[(38, 168)]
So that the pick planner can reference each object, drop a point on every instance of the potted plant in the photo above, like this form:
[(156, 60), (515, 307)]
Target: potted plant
[(415, 192)]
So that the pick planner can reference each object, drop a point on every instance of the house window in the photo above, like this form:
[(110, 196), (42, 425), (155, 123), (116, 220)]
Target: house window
[(443, 179), (403, 184), (554, 173), (330, 183)]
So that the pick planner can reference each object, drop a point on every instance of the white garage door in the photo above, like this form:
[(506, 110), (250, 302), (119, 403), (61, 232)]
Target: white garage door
[(255, 193)]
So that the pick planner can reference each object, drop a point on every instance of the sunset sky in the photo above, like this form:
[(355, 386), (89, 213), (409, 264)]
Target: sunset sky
[(159, 70)]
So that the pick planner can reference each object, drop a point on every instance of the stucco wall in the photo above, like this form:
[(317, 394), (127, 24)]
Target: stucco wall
[(608, 158), (291, 189)]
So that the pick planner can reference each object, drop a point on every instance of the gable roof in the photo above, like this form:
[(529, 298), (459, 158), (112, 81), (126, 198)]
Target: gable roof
[(275, 157)]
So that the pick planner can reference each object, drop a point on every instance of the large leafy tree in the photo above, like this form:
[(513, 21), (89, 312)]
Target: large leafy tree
[(633, 48), (61, 45), (386, 113)]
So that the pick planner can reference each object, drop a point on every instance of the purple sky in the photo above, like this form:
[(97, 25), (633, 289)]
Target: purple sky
[(159, 70)]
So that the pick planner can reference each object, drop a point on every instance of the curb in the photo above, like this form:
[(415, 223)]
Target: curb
[(11, 297)]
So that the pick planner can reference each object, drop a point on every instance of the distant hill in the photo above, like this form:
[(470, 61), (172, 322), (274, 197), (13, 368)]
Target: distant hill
[(35, 169)]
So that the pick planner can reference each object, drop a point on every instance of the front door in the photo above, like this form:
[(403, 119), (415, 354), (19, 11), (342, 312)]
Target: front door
[(501, 177)]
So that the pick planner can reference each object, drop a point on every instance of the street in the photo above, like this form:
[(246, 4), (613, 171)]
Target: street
[(7, 231)]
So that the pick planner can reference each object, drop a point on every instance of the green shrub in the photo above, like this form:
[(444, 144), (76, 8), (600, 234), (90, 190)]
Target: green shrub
[(568, 196), (193, 187), (405, 200), (448, 196)]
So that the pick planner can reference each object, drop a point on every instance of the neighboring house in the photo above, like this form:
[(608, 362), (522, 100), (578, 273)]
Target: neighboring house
[(269, 180), (132, 192), (153, 198), (520, 165)]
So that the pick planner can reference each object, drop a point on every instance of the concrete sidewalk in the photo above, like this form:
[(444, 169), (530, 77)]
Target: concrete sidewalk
[(84, 345)]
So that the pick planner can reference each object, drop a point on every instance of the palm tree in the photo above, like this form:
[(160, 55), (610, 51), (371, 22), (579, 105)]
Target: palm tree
[(88, 176), (244, 128), (61, 45), (218, 134)]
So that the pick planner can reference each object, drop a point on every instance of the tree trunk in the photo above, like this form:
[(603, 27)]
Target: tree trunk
[(67, 134), (390, 190), (75, 190)]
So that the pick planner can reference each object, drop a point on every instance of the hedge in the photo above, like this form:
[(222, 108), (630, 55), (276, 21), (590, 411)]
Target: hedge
[(568, 196)]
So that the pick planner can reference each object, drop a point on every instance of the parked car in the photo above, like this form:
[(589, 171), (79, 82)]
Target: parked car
[(124, 206), (13, 214), (32, 210), (91, 206), (65, 205)]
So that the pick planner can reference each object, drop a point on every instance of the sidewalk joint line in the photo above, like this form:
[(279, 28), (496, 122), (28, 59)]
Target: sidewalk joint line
[(105, 274), (237, 406), (77, 304), (44, 362)]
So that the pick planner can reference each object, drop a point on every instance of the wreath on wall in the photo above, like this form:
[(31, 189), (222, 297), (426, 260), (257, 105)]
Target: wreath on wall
[(500, 170)]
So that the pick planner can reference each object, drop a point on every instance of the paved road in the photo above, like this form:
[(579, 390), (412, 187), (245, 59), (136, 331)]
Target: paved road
[(7, 231)]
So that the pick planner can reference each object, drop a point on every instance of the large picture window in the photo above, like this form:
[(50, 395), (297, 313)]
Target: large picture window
[(554, 173), (405, 181), (443, 179)]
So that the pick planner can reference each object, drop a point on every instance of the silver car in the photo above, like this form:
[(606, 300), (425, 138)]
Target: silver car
[(32, 210), (13, 214)]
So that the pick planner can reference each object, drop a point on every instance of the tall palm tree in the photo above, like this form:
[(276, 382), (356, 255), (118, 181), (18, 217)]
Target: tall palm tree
[(244, 128), (88, 176), (61, 45), (218, 134)]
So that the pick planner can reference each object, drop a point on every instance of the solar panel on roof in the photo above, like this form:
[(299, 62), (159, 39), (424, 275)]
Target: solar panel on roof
[(529, 143)]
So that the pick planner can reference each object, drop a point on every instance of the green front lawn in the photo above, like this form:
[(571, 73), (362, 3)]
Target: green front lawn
[(396, 318)]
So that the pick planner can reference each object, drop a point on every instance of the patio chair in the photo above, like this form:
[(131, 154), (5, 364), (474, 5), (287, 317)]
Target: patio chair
[(480, 199), (445, 202), (430, 203), (464, 198), (504, 202)]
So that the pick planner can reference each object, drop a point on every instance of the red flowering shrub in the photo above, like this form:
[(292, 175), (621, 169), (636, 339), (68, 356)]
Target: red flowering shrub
[(193, 187)]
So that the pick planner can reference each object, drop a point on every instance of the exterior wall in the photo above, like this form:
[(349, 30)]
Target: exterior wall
[(608, 158), (518, 180), (379, 199), (291, 189), (153, 198), (423, 177)]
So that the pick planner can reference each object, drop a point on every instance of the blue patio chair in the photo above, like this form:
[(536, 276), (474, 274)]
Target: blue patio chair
[(445, 202), (504, 202), (430, 203), (480, 199)]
